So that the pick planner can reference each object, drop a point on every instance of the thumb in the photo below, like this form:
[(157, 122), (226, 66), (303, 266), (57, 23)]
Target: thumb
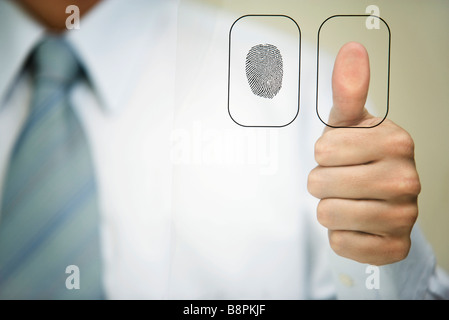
[(350, 84)]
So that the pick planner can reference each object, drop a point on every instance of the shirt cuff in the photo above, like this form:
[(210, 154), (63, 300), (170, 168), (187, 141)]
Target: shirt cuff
[(409, 279)]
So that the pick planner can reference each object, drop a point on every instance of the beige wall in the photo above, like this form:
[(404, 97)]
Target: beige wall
[(419, 88)]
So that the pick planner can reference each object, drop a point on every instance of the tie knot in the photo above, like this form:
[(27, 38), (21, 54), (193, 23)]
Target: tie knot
[(54, 60)]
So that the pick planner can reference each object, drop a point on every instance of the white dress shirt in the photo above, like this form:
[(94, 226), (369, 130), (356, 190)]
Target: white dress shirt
[(194, 206)]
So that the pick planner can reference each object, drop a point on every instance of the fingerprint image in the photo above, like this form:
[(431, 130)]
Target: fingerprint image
[(264, 70)]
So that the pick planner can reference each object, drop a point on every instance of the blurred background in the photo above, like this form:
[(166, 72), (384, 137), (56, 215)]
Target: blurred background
[(419, 83)]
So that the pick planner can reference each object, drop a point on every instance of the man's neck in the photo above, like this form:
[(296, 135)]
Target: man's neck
[(52, 13)]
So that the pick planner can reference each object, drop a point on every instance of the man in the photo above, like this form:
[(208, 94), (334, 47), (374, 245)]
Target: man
[(178, 221)]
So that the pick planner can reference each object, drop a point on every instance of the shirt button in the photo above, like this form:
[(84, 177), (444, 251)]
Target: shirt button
[(345, 280)]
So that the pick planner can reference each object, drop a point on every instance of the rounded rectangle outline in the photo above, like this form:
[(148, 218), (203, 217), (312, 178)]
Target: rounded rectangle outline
[(299, 68), (318, 68)]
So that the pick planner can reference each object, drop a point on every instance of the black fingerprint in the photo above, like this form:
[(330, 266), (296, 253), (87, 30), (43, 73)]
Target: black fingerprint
[(264, 70)]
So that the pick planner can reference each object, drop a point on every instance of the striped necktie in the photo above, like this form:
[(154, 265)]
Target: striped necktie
[(49, 223)]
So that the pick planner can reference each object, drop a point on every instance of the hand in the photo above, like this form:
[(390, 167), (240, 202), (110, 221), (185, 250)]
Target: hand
[(366, 178)]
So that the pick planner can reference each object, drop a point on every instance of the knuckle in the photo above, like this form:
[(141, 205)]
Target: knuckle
[(409, 184), (399, 249), (405, 217), (406, 183), (401, 143)]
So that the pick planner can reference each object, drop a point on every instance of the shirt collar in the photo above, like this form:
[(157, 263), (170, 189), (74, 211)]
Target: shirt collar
[(18, 35), (112, 43)]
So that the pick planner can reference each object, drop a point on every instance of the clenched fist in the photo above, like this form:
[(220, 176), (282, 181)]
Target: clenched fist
[(366, 178)]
